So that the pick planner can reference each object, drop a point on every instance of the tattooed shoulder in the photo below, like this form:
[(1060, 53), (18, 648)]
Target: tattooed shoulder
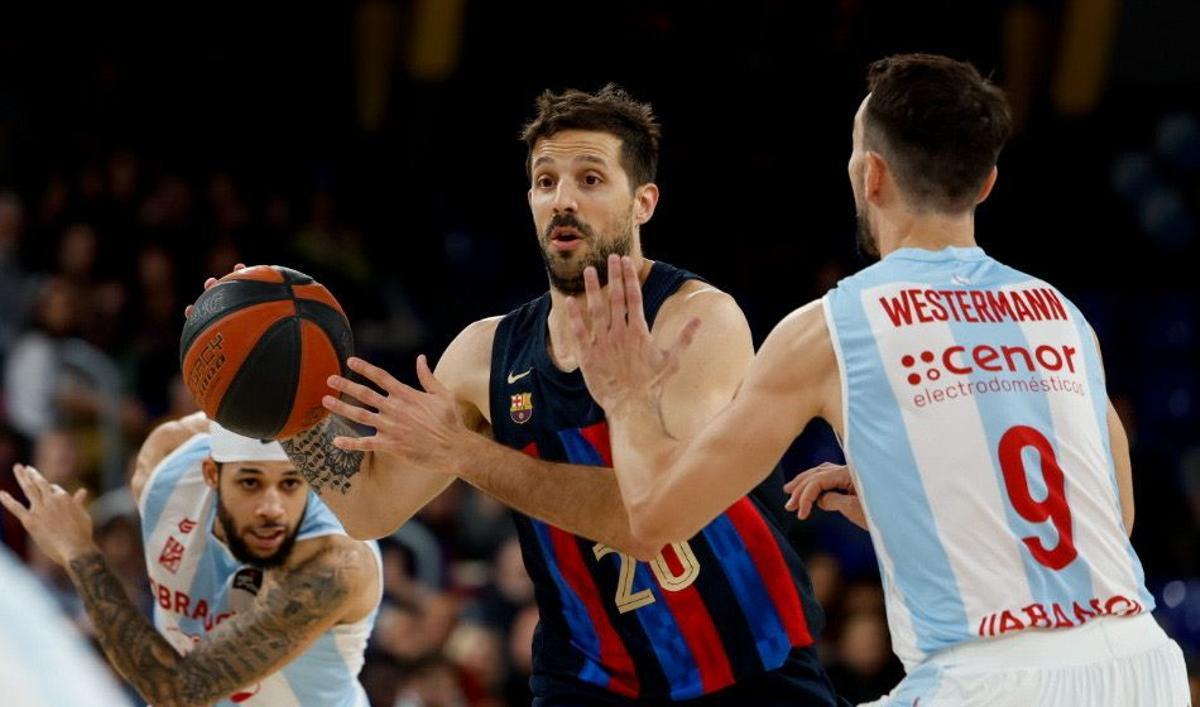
[(321, 463), (315, 588)]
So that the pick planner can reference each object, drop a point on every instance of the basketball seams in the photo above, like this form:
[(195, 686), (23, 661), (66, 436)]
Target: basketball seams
[(214, 305), (237, 391), (221, 345), (330, 321), (255, 324)]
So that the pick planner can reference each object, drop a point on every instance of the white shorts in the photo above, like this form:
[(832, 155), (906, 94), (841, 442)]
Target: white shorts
[(1122, 662)]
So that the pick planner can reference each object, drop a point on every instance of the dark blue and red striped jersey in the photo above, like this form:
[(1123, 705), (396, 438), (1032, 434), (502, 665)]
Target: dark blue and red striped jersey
[(731, 602)]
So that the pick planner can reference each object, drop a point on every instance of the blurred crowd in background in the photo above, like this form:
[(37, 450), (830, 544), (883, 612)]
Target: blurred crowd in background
[(373, 146)]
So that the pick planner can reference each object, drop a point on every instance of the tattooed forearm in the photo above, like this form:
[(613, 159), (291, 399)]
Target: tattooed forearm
[(146, 660), (293, 611), (319, 461)]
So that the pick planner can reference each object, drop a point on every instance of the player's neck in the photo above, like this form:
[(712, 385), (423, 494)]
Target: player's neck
[(561, 342), (928, 231)]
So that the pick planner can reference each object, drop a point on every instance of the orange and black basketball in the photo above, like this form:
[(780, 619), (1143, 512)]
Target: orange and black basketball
[(258, 348)]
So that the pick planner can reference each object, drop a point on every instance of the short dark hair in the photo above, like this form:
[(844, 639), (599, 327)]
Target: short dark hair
[(940, 125), (611, 110)]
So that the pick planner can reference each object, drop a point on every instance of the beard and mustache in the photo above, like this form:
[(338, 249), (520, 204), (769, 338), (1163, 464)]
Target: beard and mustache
[(566, 270), (242, 552), (864, 239)]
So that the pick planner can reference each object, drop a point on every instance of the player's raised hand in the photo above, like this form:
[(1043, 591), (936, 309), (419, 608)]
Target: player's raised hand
[(831, 488), (55, 519), (423, 428), (187, 311), (619, 358)]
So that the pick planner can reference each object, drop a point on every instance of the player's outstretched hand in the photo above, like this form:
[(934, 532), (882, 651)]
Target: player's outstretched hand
[(423, 428), (55, 519), (619, 358)]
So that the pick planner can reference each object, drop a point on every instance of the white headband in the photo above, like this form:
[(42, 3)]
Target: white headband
[(230, 447)]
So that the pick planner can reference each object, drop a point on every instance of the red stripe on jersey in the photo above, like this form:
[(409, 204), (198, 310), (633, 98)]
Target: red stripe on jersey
[(614, 658), (699, 632), (597, 436), (672, 559), (687, 606), (777, 577)]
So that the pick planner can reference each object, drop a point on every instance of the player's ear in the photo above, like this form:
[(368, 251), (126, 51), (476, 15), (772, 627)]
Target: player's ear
[(212, 472), (645, 201), (988, 183)]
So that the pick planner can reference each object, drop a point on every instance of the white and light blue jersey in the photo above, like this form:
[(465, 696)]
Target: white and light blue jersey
[(197, 584), (975, 420)]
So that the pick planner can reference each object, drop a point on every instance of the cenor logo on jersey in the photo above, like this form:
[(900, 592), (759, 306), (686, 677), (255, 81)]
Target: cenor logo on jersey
[(963, 361), (522, 408), (172, 555), (961, 372)]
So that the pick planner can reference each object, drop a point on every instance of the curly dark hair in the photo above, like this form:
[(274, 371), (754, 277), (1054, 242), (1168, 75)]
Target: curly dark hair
[(611, 110)]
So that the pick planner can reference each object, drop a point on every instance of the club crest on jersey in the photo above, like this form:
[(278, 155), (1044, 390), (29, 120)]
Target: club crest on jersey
[(172, 555), (522, 408)]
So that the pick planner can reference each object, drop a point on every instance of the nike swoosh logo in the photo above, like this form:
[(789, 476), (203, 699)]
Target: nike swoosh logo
[(514, 377)]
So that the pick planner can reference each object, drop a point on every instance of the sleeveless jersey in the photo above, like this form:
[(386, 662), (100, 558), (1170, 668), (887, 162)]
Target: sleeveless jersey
[(976, 427), (731, 602), (197, 583)]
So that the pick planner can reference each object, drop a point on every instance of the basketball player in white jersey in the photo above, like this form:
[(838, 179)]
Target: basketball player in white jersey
[(260, 597), (992, 472)]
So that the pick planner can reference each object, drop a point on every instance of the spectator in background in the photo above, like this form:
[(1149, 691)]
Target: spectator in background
[(12, 449), (432, 682), (32, 374), (18, 287), (100, 299), (153, 349), (478, 651), (520, 656), (55, 453), (863, 668), (509, 592)]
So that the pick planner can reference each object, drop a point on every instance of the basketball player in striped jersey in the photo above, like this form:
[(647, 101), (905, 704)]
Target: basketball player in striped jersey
[(724, 616), (969, 398), (259, 596)]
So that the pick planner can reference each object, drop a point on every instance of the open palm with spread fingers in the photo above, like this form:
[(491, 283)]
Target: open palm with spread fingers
[(423, 428), (619, 358), (55, 519)]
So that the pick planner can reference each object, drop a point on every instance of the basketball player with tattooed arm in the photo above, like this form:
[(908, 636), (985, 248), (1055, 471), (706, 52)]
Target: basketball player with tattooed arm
[(260, 598), (724, 615), (969, 397)]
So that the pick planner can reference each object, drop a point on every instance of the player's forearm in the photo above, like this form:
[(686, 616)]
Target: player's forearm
[(583, 500), (320, 462), (135, 649), (643, 456), (336, 475), (371, 493), (345, 480)]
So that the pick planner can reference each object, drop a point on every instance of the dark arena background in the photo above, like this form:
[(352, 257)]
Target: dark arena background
[(373, 145)]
